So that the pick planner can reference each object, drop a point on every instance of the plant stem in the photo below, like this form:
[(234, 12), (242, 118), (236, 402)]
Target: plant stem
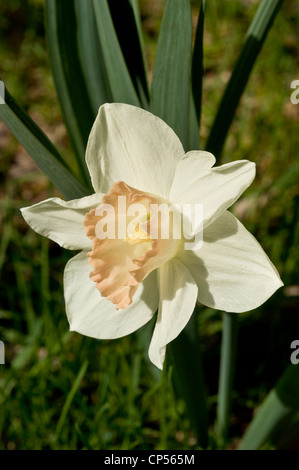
[(189, 378), (226, 376)]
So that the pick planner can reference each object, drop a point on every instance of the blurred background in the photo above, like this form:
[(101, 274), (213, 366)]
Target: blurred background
[(60, 390)]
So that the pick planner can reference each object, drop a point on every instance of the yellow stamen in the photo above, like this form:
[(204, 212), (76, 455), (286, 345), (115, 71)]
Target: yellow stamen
[(139, 236)]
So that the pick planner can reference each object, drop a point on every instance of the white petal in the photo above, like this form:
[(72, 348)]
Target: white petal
[(62, 221), (232, 271), (130, 144), (92, 315), (217, 188), (178, 294)]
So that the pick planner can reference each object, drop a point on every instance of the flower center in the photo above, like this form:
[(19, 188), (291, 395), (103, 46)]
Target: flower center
[(128, 241), (138, 234)]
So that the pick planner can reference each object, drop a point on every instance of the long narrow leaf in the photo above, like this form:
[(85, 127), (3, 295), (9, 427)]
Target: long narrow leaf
[(122, 87), (40, 149), (122, 13), (61, 24), (70, 397), (193, 126), (281, 404), (197, 62), (172, 70), (254, 40), (135, 6), (91, 56), (197, 76)]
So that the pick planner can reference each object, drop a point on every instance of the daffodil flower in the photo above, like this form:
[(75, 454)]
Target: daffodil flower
[(115, 286)]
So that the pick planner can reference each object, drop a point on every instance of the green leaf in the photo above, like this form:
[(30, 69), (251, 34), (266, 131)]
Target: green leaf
[(254, 40), (172, 71), (197, 75), (197, 62), (193, 126), (62, 23), (278, 407), (91, 56), (40, 149), (121, 84), (70, 397), (135, 7), (189, 379), (136, 11), (126, 13)]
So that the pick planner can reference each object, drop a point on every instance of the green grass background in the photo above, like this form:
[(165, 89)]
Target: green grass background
[(60, 390)]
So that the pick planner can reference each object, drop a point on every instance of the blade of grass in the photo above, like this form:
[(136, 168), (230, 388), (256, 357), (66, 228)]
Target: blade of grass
[(131, 398), (25, 293), (254, 40), (280, 405), (62, 24), (6, 234), (70, 398), (170, 92), (226, 376), (122, 88), (40, 149), (29, 350)]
